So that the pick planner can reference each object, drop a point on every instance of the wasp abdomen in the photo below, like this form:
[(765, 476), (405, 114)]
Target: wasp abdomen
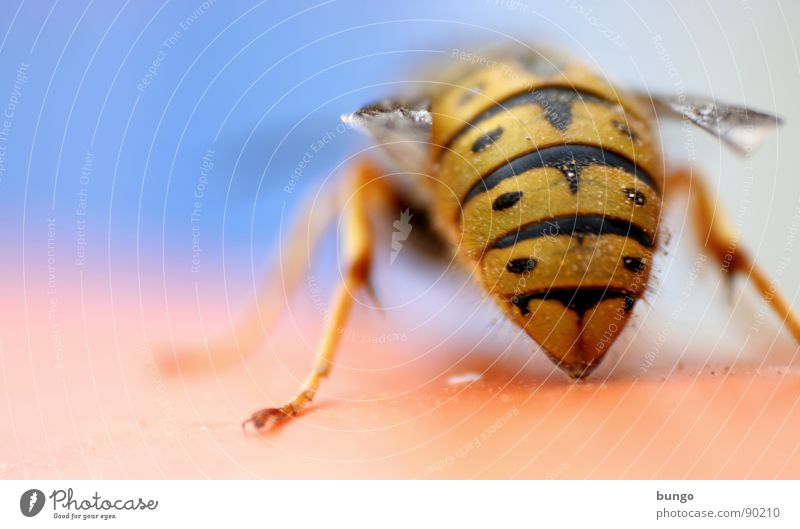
[(554, 191), (577, 225), (569, 159), (579, 300), (555, 101)]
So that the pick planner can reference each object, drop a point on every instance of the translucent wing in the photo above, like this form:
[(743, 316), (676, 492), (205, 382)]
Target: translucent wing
[(401, 128), (742, 129)]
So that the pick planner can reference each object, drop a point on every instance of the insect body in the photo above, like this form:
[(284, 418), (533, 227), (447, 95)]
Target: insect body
[(548, 185)]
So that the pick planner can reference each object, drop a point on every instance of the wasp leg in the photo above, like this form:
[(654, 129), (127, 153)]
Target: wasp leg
[(281, 281), (358, 263), (718, 237)]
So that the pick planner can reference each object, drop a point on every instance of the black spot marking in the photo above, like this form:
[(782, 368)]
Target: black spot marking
[(570, 170), (572, 226), (579, 299), (569, 159), (633, 264), (487, 139), (555, 101), (629, 302), (624, 129), (635, 196), (521, 265), (506, 200), (557, 105), (521, 303)]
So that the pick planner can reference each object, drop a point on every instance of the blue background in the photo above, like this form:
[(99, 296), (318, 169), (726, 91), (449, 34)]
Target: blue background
[(258, 82)]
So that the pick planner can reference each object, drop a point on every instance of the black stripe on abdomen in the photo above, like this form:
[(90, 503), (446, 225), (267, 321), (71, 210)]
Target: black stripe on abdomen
[(574, 225), (555, 101), (578, 299), (568, 158)]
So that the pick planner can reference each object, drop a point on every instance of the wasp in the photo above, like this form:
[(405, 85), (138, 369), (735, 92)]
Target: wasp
[(546, 183)]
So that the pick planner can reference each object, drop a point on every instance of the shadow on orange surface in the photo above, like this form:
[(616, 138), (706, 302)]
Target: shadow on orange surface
[(384, 413)]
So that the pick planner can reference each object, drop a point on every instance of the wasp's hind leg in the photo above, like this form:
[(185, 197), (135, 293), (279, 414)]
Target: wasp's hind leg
[(366, 187), (716, 234), (316, 215)]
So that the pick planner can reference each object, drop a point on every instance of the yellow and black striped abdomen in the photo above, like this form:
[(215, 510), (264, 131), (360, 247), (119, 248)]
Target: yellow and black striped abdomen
[(549, 186)]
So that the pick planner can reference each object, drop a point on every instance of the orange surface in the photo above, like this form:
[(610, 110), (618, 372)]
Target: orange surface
[(391, 411)]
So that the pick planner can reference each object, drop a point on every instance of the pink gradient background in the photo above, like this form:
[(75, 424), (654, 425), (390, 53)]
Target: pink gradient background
[(110, 413), (720, 401)]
